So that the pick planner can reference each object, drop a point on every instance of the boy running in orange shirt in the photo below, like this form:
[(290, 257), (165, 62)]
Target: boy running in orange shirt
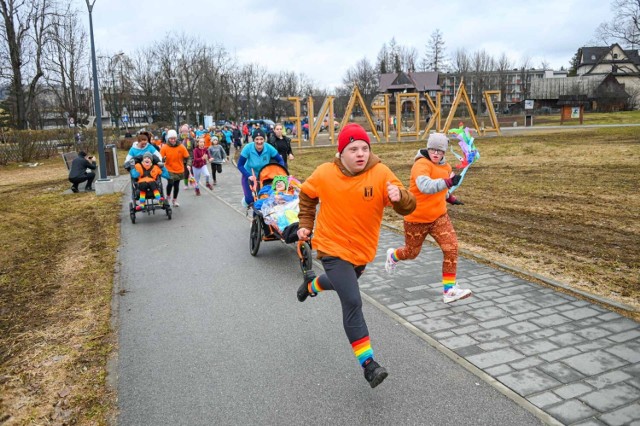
[(353, 190), (431, 177)]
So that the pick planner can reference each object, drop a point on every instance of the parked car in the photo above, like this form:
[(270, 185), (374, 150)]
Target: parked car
[(263, 122)]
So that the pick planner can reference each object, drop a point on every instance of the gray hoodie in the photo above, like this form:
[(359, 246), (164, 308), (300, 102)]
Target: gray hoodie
[(425, 184)]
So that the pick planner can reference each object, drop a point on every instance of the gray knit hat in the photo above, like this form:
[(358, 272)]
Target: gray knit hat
[(438, 141)]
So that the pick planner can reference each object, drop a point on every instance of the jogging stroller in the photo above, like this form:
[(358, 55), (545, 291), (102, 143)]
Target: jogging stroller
[(264, 229), (150, 204)]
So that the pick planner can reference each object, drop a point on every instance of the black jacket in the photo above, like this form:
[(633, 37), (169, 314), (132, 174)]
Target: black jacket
[(283, 146), (79, 167)]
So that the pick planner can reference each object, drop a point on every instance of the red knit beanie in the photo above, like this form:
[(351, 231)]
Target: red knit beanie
[(351, 132)]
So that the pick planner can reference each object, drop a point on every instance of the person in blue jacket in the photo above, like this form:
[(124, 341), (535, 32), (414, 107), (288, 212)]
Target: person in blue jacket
[(253, 158), (139, 148)]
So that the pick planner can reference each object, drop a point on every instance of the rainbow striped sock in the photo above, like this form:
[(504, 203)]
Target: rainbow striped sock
[(394, 256), (448, 281), (143, 197), (156, 194), (314, 286), (362, 350)]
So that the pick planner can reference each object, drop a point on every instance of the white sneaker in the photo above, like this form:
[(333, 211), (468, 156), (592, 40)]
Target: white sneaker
[(390, 264), (175, 203), (456, 293)]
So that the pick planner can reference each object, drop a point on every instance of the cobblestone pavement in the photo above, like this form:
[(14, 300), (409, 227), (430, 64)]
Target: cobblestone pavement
[(574, 360)]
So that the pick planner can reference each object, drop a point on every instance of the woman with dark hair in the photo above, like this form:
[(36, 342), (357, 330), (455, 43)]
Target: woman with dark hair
[(281, 143)]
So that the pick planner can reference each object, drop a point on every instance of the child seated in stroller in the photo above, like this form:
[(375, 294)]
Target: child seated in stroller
[(278, 202), (147, 176)]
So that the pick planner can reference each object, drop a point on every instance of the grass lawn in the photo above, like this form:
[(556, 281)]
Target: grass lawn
[(56, 278)]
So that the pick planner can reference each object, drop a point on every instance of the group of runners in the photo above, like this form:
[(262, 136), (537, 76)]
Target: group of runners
[(353, 191)]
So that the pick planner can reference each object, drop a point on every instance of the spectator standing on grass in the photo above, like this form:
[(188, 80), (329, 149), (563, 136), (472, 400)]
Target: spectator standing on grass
[(281, 143), (353, 191), (431, 178), (78, 171), (175, 155)]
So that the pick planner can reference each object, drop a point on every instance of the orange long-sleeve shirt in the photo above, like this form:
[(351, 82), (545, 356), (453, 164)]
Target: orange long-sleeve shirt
[(174, 157), (429, 206), (154, 171), (351, 207)]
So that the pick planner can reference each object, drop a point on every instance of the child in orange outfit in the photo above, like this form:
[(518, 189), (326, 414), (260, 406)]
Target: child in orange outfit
[(146, 173), (353, 191), (431, 178)]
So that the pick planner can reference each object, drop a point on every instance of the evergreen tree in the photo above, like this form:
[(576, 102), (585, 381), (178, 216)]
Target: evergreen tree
[(435, 57), (575, 63), (382, 62)]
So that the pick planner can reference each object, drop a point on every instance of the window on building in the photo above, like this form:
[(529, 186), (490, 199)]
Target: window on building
[(615, 56)]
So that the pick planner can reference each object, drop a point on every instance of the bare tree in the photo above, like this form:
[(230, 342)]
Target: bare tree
[(251, 79), (525, 77), (271, 94), (408, 58), (624, 27), (462, 64), (435, 56), (145, 78), (24, 32), (216, 84), (364, 75), (503, 67), (64, 63), (481, 64)]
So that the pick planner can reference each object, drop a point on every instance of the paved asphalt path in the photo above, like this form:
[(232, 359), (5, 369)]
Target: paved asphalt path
[(210, 335)]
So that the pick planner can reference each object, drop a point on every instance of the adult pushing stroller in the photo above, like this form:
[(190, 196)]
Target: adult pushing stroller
[(277, 224), (149, 204)]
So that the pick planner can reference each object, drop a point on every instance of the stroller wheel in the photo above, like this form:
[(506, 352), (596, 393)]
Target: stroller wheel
[(255, 236), (132, 212), (168, 212), (306, 259)]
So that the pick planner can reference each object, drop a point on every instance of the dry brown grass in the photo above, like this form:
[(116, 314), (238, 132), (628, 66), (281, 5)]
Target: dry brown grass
[(56, 278), (564, 205)]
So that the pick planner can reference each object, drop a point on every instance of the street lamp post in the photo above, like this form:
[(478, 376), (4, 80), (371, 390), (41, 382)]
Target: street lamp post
[(96, 99)]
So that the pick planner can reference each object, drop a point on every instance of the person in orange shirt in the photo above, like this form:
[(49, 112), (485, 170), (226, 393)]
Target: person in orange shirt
[(431, 178), (176, 156), (353, 190)]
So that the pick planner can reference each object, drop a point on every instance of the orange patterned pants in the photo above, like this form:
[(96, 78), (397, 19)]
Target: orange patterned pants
[(442, 231)]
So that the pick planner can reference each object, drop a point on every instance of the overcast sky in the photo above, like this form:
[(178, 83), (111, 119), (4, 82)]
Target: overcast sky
[(324, 38)]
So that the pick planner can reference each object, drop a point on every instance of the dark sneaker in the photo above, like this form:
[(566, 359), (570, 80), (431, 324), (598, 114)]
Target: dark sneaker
[(303, 290), (74, 189), (197, 191), (374, 373), (89, 189)]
